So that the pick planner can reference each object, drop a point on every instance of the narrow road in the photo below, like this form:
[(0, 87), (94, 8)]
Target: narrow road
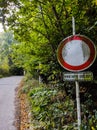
[(7, 101)]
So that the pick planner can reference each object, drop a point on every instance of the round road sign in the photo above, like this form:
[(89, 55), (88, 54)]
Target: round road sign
[(76, 53)]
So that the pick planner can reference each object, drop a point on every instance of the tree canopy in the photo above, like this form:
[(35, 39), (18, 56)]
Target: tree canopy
[(40, 25)]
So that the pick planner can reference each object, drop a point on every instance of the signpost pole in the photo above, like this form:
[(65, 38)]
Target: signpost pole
[(78, 104), (77, 87), (73, 25)]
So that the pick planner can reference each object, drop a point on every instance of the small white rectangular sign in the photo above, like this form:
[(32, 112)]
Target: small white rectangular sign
[(80, 76)]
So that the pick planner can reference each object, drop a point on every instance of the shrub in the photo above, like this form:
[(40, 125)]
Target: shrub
[(51, 108)]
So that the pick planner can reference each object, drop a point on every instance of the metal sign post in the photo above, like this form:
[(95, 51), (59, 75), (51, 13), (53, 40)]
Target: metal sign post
[(78, 104), (77, 87), (73, 25), (76, 53)]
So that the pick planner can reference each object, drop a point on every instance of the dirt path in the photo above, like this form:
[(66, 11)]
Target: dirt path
[(7, 101)]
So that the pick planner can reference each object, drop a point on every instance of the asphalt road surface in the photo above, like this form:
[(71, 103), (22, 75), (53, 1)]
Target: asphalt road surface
[(7, 101)]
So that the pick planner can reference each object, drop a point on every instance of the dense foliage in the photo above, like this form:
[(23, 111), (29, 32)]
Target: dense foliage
[(53, 109), (7, 67), (41, 25), (6, 40)]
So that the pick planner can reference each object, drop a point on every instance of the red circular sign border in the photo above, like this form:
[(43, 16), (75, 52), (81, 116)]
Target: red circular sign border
[(84, 66)]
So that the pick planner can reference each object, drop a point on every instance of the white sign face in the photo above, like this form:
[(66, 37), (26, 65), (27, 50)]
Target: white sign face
[(82, 76), (76, 52)]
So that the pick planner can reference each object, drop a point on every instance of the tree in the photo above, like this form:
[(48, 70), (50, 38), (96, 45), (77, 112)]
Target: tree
[(6, 8), (48, 22), (40, 26), (6, 64)]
